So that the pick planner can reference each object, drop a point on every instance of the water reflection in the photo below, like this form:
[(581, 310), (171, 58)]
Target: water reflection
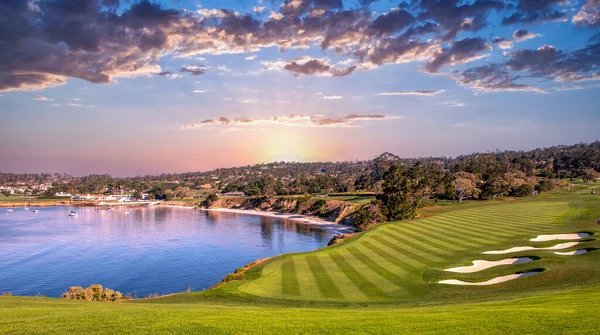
[(148, 250)]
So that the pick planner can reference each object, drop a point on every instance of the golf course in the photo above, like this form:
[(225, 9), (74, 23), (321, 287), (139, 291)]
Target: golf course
[(527, 265)]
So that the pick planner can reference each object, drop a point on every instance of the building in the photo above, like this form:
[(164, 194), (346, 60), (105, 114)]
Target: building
[(62, 194)]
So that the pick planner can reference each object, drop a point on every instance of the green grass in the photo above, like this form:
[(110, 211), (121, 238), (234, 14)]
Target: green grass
[(390, 262), (562, 312), (355, 199), (382, 281)]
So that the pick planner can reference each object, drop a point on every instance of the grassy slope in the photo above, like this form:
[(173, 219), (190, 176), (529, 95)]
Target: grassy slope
[(366, 285), (570, 312)]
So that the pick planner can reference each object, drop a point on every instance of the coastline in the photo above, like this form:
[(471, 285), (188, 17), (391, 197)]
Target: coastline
[(308, 220)]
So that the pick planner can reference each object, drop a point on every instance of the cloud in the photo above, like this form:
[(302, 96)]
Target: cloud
[(588, 15), (194, 70), (253, 57), (524, 35), (493, 78), (502, 43), (317, 67), (46, 43), (543, 63), (418, 93), (537, 12), (333, 97), (462, 51), (345, 121), (199, 91), (42, 98), (453, 103)]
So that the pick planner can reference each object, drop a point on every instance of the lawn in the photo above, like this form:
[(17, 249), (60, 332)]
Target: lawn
[(382, 281)]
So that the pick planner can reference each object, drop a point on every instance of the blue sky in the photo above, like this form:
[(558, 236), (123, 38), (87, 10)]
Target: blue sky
[(134, 87)]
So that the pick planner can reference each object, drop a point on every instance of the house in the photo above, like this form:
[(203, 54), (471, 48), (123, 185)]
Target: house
[(62, 194), (82, 197)]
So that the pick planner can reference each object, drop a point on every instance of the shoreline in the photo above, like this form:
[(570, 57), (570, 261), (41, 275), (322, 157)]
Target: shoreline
[(308, 220)]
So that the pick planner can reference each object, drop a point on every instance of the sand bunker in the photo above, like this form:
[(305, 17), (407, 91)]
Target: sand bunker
[(482, 265), (517, 249), (544, 238), (496, 280), (574, 252)]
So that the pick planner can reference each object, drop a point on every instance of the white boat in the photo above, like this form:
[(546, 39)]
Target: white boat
[(9, 210), (26, 208), (72, 211), (36, 210)]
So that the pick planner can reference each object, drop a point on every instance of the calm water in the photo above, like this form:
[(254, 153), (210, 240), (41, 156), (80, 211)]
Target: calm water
[(149, 250)]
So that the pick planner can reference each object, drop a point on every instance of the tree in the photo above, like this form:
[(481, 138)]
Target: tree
[(6, 193), (210, 199), (399, 199), (465, 188), (589, 175)]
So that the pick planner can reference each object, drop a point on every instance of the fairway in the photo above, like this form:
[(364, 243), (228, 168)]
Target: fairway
[(389, 262)]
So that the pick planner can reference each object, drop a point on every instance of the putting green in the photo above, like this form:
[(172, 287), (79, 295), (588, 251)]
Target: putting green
[(389, 262)]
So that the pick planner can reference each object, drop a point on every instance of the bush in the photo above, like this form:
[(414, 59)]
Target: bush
[(523, 190), (94, 292), (210, 199), (318, 207)]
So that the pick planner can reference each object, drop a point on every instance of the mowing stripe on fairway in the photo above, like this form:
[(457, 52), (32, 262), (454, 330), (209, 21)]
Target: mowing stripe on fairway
[(481, 230), (326, 285), (308, 286), (289, 281), (452, 230), (465, 234), (426, 248), (455, 240), (344, 284), (380, 270), (364, 285), (439, 243), (389, 257), (515, 218), (501, 227), (412, 256)]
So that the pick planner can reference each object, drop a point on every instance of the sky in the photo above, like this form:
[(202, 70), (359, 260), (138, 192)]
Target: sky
[(140, 87)]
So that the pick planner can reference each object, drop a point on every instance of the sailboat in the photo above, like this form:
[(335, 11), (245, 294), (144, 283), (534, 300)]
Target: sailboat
[(72, 211)]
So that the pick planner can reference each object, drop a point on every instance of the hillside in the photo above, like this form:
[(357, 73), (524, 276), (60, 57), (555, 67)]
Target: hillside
[(384, 280)]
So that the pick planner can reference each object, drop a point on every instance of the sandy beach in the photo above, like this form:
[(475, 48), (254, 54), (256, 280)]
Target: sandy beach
[(310, 220)]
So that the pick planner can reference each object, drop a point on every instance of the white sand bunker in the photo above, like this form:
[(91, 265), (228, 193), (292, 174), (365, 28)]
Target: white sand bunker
[(516, 249), (482, 265), (496, 280), (574, 252), (544, 238)]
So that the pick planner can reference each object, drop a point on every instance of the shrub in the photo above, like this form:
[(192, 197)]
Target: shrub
[(318, 207), (94, 292)]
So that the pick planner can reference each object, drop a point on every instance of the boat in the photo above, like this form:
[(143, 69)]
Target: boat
[(36, 210), (26, 208), (9, 210), (72, 211)]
